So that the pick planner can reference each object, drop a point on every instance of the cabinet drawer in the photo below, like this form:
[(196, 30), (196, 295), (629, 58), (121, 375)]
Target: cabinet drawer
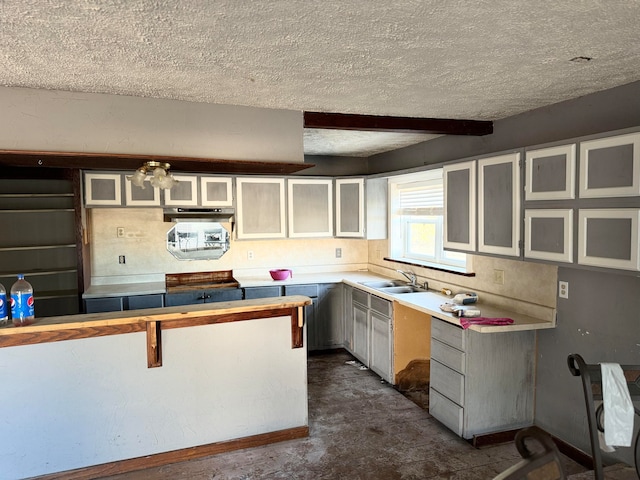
[(449, 356), (109, 304), (262, 292), (448, 382), (445, 411), (361, 297), (380, 305), (448, 333), (306, 290)]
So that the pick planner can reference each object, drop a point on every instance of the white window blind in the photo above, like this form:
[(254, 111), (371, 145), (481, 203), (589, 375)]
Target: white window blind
[(421, 198)]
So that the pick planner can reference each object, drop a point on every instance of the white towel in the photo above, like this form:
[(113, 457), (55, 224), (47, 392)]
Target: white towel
[(618, 408)]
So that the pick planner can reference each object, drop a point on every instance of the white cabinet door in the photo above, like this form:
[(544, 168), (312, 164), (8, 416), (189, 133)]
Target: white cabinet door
[(459, 182), (610, 167), (380, 351), (261, 211), (350, 207), (310, 207), (361, 333), (499, 205), (103, 189), (184, 193), (550, 173), (141, 197), (609, 238), (216, 192), (548, 234)]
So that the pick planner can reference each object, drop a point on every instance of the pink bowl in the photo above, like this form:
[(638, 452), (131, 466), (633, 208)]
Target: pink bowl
[(280, 273)]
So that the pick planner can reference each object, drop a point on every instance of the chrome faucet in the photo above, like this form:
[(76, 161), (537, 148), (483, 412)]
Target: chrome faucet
[(409, 276)]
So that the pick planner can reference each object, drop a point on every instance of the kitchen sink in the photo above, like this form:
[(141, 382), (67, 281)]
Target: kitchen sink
[(385, 284), (401, 289), (393, 287)]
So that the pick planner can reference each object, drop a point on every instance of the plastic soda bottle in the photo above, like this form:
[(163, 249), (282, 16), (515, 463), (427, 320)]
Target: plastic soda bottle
[(4, 313), (22, 303)]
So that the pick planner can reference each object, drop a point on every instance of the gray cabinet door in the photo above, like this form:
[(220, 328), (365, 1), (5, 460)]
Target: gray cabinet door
[(329, 316), (348, 318), (103, 189), (459, 182), (216, 192), (361, 333), (310, 208), (376, 193), (184, 193), (262, 292), (548, 234), (610, 167), (261, 210), (381, 345), (499, 205), (550, 173), (97, 305), (609, 238), (350, 207), (137, 302)]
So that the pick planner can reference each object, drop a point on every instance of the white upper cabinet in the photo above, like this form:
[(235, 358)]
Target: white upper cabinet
[(609, 238), (141, 197), (103, 189), (550, 173), (499, 205), (310, 208), (610, 167), (184, 193), (261, 207), (216, 192), (548, 234), (350, 207), (459, 182)]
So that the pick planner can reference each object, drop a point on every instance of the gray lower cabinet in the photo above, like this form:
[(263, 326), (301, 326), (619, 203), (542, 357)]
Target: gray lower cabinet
[(323, 317), (372, 338), (262, 292), (481, 382), (202, 296), (116, 304)]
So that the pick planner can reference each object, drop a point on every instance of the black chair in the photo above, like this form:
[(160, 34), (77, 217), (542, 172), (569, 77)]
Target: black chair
[(592, 387), (541, 465)]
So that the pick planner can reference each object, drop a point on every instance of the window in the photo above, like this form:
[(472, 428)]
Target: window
[(416, 225)]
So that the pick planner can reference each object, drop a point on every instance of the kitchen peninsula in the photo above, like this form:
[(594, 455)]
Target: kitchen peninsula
[(111, 392)]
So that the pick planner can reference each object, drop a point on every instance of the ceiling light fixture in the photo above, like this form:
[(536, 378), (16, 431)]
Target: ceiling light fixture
[(160, 177)]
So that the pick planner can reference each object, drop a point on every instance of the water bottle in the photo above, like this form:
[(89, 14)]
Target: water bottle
[(4, 314), (22, 308)]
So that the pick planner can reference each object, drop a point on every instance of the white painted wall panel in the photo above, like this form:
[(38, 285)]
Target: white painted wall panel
[(85, 402), (97, 123)]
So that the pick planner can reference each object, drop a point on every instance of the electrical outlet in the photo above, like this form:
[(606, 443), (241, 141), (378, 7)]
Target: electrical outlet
[(498, 277), (121, 260), (338, 253), (120, 232), (250, 255), (563, 289)]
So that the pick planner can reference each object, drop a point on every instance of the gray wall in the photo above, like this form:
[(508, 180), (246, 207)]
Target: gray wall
[(601, 321), (601, 318), (600, 112)]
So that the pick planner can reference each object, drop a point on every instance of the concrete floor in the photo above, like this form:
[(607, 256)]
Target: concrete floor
[(360, 428)]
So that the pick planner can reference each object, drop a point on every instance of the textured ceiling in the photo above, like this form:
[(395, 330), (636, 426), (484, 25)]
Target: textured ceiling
[(481, 60)]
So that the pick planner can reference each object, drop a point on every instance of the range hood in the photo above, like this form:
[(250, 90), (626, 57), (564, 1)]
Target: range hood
[(223, 214)]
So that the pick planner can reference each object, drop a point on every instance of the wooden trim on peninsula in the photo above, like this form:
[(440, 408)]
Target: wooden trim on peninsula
[(154, 320), (166, 458)]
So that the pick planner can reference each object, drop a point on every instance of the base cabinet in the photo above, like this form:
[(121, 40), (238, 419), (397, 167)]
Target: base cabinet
[(481, 382), (372, 339), (202, 296), (116, 304)]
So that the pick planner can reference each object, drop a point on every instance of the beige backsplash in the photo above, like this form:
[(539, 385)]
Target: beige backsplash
[(528, 287), (147, 258)]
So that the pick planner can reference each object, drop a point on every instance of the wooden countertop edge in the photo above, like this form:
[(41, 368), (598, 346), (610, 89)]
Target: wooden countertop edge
[(164, 314)]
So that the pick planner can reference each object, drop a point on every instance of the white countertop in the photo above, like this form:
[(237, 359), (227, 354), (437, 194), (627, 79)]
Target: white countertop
[(427, 302)]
